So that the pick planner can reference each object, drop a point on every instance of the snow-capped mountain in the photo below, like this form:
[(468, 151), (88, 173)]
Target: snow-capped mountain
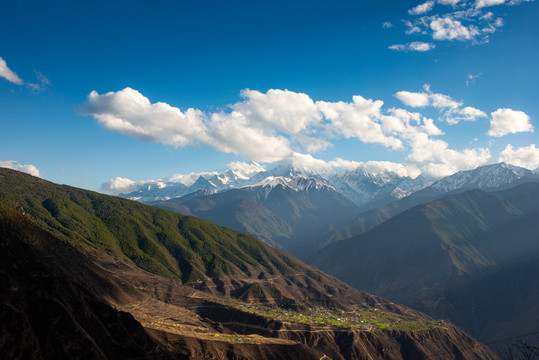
[(488, 177), (369, 189), (492, 177), (296, 183), (207, 182)]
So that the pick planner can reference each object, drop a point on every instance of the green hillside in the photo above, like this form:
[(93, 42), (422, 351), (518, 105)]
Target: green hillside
[(159, 241)]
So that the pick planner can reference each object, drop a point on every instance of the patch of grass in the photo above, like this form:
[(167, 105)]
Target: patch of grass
[(360, 319)]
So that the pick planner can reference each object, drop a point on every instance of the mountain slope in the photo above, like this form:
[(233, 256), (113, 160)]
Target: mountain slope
[(49, 316), (488, 178), (454, 257), (290, 212), (199, 319), (163, 242)]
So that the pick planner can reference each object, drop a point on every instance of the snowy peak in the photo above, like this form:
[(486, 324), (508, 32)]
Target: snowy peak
[(369, 189), (304, 166), (366, 188), (486, 177), (296, 184), (156, 190)]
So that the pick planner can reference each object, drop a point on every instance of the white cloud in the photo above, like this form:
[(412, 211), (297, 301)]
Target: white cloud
[(449, 2), (129, 112), (245, 169), (466, 114), (233, 133), (413, 99), (412, 28), (467, 21), (508, 121), (359, 119), (8, 74), (434, 157), (288, 111), (527, 157), (516, 2), (447, 28), (280, 124), (29, 169), (422, 8), (120, 185), (413, 46), (387, 25), (470, 78), (186, 179), (484, 3), (451, 110), (441, 101), (313, 144)]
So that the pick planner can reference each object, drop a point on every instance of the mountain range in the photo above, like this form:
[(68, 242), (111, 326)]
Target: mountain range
[(488, 178), (301, 209), (93, 276), (471, 257)]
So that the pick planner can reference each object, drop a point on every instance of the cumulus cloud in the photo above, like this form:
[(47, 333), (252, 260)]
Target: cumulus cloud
[(434, 157), (387, 25), (413, 46), (129, 112), (447, 28), (527, 156), (413, 99), (120, 185), (451, 110), (234, 133), (29, 169), (422, 8), (287, 111), (281, 125), (358, 119), (9, 74), (262, 127), (508, 121)]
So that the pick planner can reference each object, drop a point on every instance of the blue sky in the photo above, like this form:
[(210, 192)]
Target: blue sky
[(95, 91)]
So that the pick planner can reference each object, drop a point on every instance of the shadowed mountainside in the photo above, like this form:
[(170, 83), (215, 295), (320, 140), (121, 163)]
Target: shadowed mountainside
[(472, 258), (284, 217)]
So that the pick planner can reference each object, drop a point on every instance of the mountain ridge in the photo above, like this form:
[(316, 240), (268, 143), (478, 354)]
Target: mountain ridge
[(455, 257)]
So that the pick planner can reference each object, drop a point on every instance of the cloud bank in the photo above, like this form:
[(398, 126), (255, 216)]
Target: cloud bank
[(280, 124)]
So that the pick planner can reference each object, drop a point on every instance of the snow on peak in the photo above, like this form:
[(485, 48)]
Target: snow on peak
[(484, 177)]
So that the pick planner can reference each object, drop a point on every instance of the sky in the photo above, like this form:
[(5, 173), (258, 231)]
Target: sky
[(105, 94)]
